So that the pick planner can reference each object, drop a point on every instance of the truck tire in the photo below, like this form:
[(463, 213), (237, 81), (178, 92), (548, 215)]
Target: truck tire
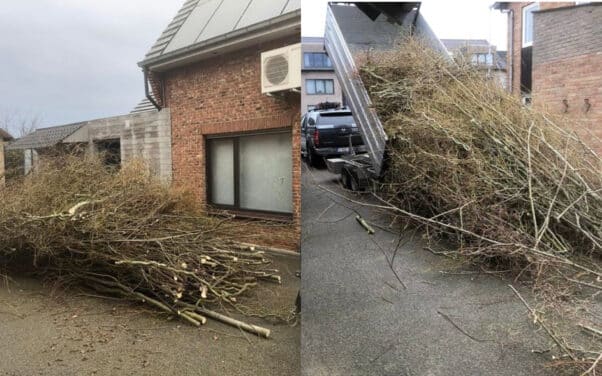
[(355, 187), (346, 179), (312, 159)]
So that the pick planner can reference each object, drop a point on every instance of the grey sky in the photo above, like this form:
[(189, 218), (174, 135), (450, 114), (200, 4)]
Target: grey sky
[(73, 60), (462, 19)]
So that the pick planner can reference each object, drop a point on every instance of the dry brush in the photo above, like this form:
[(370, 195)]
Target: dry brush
[(126, 235), (510, 185)]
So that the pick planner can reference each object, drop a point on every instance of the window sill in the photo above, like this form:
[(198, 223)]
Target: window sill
[(251, 214)]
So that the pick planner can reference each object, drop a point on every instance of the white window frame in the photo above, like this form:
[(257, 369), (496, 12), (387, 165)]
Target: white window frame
[(528, 8)]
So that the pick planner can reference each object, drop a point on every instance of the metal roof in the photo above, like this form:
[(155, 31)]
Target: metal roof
[(45, 137), (144, 106), (454, 44), (202, 20)]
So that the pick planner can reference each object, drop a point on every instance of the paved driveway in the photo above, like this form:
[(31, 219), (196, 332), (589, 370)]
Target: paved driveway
[(357, 318)]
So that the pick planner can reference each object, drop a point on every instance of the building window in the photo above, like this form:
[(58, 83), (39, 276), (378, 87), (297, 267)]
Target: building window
[(239, 177), (316, 60), (319, 87), (482, 59), (528, 24)]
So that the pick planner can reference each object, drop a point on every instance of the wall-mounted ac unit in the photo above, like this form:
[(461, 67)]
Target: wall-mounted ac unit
[(281, 69)]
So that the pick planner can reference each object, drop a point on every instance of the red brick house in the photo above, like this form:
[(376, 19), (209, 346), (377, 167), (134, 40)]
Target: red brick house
[(235, 140), (555, 60)]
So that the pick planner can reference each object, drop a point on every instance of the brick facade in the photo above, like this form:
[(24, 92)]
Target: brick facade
[(223, 95), (567, 67), (567, 62), (515, 39)]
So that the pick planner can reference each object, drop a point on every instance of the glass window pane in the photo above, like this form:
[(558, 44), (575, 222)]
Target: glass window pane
[(529, 27), (262, 187), (322, 60), (474, 59), (329, 87), (221, 162), (310, 86), (489, 59), (319, 86), (528, 23), (307, 60), (328, 62)]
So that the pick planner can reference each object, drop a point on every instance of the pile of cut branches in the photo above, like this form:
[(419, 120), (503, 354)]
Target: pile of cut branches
[(126, 235), (511, 185)]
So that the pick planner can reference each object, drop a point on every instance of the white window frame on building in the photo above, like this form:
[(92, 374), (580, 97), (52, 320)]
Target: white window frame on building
[(527, 14), (309, 57), (237, 176), (326, 83)]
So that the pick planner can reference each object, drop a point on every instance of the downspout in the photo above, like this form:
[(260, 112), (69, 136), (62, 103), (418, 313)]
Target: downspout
[(510, 51), (147, 91)]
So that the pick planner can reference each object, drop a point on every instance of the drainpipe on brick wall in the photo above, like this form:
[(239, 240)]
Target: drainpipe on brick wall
[(510, 51), (147, 91)]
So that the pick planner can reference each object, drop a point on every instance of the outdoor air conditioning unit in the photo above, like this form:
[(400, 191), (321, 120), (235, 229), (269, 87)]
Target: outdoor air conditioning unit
[(281, 69)]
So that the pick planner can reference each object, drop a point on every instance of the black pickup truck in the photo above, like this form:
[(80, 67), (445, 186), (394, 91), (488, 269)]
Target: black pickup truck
[(327, 133)]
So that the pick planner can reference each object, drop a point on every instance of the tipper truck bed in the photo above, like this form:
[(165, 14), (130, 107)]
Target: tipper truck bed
[(351, 31)]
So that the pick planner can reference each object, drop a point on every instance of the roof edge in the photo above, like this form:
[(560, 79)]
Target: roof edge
[(288, 20)]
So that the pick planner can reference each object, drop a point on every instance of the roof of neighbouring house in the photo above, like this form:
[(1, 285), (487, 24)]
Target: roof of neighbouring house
[(45, 137), (144, 105), (5, 136), (454, 44), (201, 21)]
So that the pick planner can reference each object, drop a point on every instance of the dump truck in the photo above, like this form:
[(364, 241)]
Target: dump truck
[(352, 30)]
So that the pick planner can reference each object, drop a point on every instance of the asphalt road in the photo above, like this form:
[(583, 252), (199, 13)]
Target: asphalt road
[(358, 319)]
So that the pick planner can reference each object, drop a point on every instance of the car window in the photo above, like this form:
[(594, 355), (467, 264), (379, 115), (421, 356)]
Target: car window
[(303, 122), (336, 119)]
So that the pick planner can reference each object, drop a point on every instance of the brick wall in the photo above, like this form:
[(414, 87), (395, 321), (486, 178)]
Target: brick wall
[(567, 65), (515, 38), (567, 32), (223, 95)]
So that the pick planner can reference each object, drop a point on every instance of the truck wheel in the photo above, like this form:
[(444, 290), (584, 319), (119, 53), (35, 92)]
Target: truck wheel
[(355, 187), (346, 179), (312, 158)]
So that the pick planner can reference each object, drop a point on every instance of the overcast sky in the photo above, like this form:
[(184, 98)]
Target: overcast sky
[(74, 60), (458, 19)]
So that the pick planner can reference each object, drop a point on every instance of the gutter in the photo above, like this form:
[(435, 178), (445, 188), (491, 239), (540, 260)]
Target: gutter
[(282, 23)]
